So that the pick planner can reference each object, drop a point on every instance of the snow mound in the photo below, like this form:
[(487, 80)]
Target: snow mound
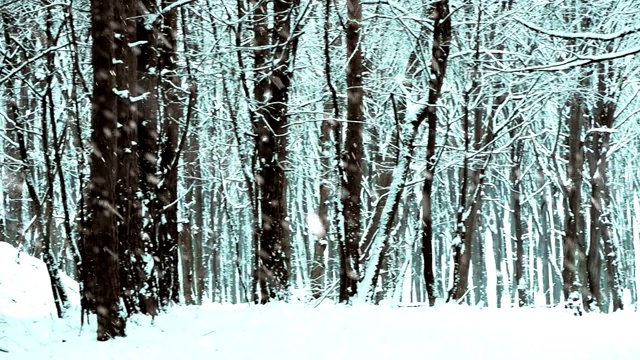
[(25, 289)]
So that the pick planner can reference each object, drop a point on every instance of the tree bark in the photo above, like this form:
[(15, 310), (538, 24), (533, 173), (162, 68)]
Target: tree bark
[(352, 157), (128, 175), (147, 123), (13, 174), (102, 238), (472, 178), (516, 188), (168, 191), (318, 268), (442, 33), (572, 228), (600, 192)]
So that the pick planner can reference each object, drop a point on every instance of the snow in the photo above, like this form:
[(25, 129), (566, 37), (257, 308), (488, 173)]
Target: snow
[(23, 281), (315, 225), (29, 329)]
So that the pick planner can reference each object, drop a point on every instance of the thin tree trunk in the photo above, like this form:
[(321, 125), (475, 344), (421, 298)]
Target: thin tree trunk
[(168, 192), (442, 33), (516, 186), (472, 179), (191, 235), (46, 208), (594, 258), (544, 240), (401, 172), (318, 268)]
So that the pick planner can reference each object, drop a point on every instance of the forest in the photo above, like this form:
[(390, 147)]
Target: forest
[(387, 152)]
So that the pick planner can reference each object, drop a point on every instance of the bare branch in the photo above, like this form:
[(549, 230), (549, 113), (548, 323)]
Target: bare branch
[(580, 35), (576, 61)]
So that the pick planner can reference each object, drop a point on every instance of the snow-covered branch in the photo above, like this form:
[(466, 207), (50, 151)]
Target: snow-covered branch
[(575, 61), (580, 35)]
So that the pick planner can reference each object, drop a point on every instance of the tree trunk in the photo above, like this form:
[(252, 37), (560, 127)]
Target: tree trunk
[(572, 229), (352, 156), (128, 177), (442, 33), (13, 175), (271, 93), (191, 235), (168, 192), (516, 186), (472, 176), (594, 259), (102, 237), (318, 269), (544, 239), (147, 123), (600, 193)]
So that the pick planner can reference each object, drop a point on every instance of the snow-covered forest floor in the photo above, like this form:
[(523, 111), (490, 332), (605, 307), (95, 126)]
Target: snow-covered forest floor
[(286, 331), (30, 330)]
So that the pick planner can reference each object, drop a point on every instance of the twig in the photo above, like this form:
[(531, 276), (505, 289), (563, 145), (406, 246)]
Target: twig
[(326, 294)]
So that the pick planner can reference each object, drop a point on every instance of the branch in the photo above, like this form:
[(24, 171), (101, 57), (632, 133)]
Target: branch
[(580, 35), (27, 62), (176, 5), (576, 61), (152, 18)]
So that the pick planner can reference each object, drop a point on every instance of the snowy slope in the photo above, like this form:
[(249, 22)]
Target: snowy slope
[(29, 330), (23, 280)]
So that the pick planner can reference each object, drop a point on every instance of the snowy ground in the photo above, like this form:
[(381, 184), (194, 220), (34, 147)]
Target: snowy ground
[(296, 331), (281, 331)]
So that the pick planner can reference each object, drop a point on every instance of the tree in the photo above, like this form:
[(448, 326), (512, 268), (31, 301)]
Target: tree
[(128, 175), (604, 115), (472, 178), (147, 36), (440, 55), (13, 176), (169, 153), (352, 157), (273, 74), (101, 244)]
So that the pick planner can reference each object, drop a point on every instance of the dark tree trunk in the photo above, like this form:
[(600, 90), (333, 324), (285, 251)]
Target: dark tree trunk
[(128, 177), (191, 234), (499, 254), (594, 258), (193, 180), (273, 79), (516, 186), (544, 242), (102, 238), (573, 219), (168, 192), (604, 115), (147, 123), (440, 56), (260, 94), (352, 157)]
